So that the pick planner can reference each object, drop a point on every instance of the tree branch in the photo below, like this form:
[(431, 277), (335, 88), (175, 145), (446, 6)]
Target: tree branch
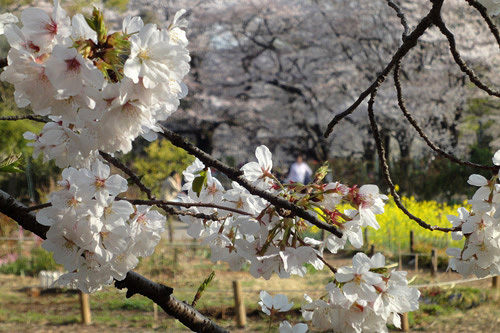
[(461, 63), (402, 17), (237, 176), (484, 13), (185, 204), (117, 163), (27, 117), (387, 175), (410, 42), (420, 131)]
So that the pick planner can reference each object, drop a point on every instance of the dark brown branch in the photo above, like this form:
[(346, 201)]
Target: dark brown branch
[(134, 282), (185, 204), (163, 204), (408, 44), (327, 264), (162, 295), (402, 17), (37, 207), (461, 63), (27, 117), (237, 176), (413, 122), (117, 163), (169, 210), (212, 217), (19, 213), (484, 13), (387, 175)]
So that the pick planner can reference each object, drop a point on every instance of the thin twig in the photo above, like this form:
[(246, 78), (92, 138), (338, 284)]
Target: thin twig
[(169, 210), (408, 44), (420, 131), (184, 204), (461, 63), (237, 176), (327, 264), (387, 175), (37, 207), (402, 17), (26, 117), (117, 163), (484, 13)]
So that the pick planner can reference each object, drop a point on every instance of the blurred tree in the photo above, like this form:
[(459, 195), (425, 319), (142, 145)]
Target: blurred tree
[(162, 158)]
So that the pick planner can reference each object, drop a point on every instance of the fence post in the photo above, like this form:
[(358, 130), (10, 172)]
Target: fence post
[(495, 282), (434, 263), (372, 250), (416, 262), (400, 258), (405, 324), (239, 305), (155, 313), (412, 244), (85, 308)]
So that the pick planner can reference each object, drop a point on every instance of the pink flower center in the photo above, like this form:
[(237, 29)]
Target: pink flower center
[(99, 182), (51, 27), (142, 219), (72, 65)]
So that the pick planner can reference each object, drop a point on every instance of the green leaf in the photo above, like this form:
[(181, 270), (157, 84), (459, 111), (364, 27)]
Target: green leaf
[(202, 288), (199, 182), (321, 173), (11, 164)]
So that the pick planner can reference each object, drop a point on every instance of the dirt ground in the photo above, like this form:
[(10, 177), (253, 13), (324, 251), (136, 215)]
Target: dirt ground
[(19, 297)]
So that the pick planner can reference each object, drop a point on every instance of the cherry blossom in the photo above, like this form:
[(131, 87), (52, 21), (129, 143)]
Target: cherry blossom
[(259, 172), (154, 59), (273, 304), (101, 92), (6, 19), (286, 327)]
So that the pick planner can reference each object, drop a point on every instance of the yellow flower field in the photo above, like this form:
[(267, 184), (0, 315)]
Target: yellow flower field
[(395, 226), (394, 233)]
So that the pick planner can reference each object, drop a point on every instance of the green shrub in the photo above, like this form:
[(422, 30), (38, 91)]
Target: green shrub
[(38, 261)]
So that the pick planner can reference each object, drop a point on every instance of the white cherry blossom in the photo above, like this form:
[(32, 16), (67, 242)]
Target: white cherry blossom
[(274, 304)]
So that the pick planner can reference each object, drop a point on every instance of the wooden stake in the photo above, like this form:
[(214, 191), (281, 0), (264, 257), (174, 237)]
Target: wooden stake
[(412, 243), (239, 305), (495, 282), (85, 308), (405, 324), (434, 263)]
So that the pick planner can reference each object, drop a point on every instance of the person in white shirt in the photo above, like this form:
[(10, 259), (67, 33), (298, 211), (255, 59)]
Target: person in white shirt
[(299, 172)]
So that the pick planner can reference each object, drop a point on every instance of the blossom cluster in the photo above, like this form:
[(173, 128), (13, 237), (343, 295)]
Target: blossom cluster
[(362, 299), (100, 90), (252, 231), (96, 238), (480, 227)]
